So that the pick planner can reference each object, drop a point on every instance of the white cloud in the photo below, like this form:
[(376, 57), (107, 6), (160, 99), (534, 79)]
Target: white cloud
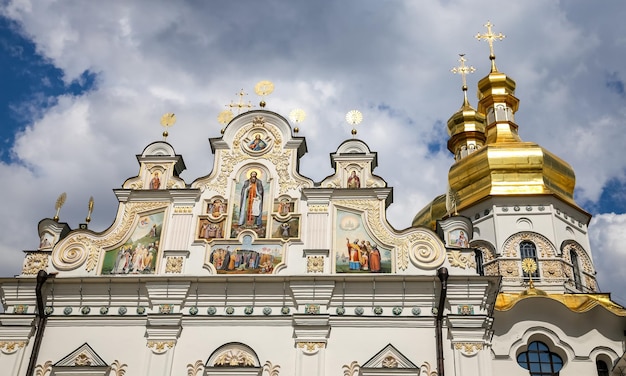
[(190, 58), (606, 234)]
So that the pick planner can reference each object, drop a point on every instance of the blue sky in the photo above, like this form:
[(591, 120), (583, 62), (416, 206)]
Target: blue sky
[(84, 86)]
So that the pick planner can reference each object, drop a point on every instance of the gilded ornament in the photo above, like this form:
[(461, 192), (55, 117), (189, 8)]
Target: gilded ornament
[(511, 268), (43, 370), (9, 347), (285, 310), (425, 369), (174, 264), (352, 369), (196, 368), (183, 209), (389, 362), (552, 269), (318, 208), (234, 358), (118, 368), (270, 369), (315, 264), (82, 359), (166, 309), (311, 346), (468, 348), (159, 347), (35, 262)]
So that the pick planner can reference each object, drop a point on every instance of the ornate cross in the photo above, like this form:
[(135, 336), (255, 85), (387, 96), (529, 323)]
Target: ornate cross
[(463, 70), (239, 106), (490, 37)]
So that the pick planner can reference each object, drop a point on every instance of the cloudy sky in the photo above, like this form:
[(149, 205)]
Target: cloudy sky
[(83, 86)]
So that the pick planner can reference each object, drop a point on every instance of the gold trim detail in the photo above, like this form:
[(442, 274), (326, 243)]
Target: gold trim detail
[(468, 348), (352, 369), (234, 358), (461, 260), (42, 370), (271, 369), (544, 246), (35, 262), (194, 369), (311, 346), (552, 269), (174, 264), (318, 208), (79, 248), (159, 347), (9, 347), (118, 368), (183, 209), (574, 302), (315, 264)]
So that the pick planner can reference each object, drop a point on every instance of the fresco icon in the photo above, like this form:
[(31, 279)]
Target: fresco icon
[(355, 250)]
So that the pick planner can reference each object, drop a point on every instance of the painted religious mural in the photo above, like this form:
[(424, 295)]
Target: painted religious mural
[(139, 254), (458, 238), (250, 202), (286, 229), (355, 250), (246, 258)]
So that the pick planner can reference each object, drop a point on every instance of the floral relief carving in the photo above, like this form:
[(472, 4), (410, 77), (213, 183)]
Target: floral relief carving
[(352, 369), (194, 369), (390, 362), (492, 269), (43, 370), (461, 260), (468, 348), (118, 368), (174, 264), (318, 208), (159, 347), (551, 269), (9, 347), (545, 248), (509, 268), (235, 358), (315, 264), (270, 369), (311, 347), (35, 262)]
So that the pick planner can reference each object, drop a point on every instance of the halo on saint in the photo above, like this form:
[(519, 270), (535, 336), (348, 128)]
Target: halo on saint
[(250, 171)]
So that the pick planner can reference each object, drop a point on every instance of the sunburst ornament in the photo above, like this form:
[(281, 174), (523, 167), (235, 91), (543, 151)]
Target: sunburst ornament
[(529, 266), (354, 118), (167, 121), (225, 117), (59, 204), (263, 88), (297, 116)]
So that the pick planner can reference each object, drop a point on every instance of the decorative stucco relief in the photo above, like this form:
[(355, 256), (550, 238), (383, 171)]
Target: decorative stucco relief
[(81, 248), (423, 248), (545, 248)]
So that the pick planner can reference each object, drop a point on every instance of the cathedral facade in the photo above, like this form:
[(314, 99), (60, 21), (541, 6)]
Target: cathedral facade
[(255, 269)]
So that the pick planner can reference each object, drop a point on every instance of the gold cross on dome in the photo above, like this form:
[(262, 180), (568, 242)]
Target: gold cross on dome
[(463, 70), (490, 37), (239, 106)]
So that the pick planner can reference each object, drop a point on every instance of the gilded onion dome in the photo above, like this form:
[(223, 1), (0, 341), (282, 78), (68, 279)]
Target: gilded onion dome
[(505, 165)]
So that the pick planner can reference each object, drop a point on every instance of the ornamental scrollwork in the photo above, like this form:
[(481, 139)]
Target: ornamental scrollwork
[(510, 268), (35, 262), (544, 246), (425, 369), (174, 264), (79, 249), (552, 269), (461, 260)]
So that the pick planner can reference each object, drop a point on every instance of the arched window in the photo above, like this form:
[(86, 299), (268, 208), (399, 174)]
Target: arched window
[(540, 361), (602, 368), (528, 250), (575, 269)]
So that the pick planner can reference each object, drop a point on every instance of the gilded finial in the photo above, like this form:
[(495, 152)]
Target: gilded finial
[(297, 116), (225, 117), (89, 210), (59, 204), (263, 88), (239, 106), (167, 121), (354, 118), (463, 70), (489, 36), (529, 266)]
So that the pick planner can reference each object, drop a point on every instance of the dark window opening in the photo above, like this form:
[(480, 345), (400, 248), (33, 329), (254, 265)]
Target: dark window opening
[(539, 361)]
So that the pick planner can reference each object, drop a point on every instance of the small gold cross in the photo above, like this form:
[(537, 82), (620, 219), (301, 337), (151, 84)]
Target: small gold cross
[(239, 106), (463, 70)]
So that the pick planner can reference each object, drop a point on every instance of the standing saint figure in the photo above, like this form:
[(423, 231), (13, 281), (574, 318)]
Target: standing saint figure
[(354, 181), (251, 203), (155, 183)]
